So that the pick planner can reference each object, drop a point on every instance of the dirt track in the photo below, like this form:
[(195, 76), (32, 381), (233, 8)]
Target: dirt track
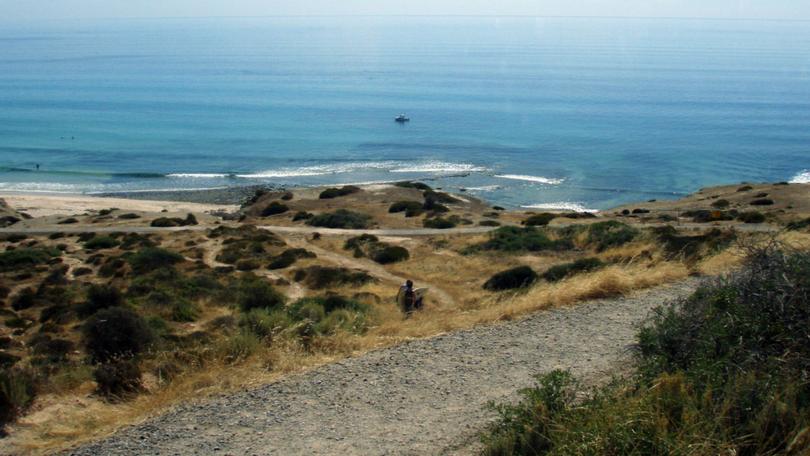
[(422, 397)]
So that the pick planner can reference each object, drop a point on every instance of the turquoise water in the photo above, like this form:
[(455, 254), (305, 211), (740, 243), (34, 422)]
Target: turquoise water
[(587, 113)]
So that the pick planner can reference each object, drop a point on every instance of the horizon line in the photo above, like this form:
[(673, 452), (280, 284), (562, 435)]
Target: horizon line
[(513, 16)]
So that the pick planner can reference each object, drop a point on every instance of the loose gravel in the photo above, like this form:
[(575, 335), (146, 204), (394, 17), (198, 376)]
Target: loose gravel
[(423, 397)]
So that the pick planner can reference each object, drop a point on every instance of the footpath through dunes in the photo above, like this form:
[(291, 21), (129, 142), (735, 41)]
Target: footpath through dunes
[(423, 397)]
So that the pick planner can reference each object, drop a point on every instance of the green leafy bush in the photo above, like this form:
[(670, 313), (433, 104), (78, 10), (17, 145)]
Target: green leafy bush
[(248, 264), (387, 254), (118, 379), (289, 257), (691, 247), (561, 271), (169, 222), (762, 202), (519, 277), (751, 217), (100, 297), (274, 208), (403, 206), (539, 219), (360, 241), (334, 192), (605, 235), (416, 185), (114, 333), (301, 215), (17, 392), (721, 204), (152, 258), (256, 293), (265, 323), (101, 242), (488, 223), (439, 223), (341, 218), (514, 239), (319, 277), (26, 257)]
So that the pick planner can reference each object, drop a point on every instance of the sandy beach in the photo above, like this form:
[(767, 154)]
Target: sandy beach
[(44, 205)]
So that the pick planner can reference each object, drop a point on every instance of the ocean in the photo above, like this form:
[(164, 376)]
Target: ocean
[(523, 112)]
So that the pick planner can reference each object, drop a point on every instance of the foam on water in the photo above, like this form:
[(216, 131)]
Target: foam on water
[(801, 178), (539, 179), (561, 206)]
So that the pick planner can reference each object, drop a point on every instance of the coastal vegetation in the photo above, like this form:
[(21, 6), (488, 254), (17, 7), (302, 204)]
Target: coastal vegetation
[(720, 372)]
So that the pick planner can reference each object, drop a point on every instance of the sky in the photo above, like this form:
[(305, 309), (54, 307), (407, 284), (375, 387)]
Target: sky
[(85, 9)]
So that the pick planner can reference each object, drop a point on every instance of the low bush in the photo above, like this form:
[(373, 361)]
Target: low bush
[(745, 188), (605, 235), (168, 222), (301, 215), (514, 239), (519, 277), (265, 323), (68, 221), (798, 224), (17, 392), (439, 223), (289, 257), (99, 297), (239, 346), (719, 372), (488, 223), (129, 216), (561, 271), (692, 247), (751, 217), (341, 218), (762, 202), (25, 299), (115, 333), (360, 241), (403, 206), (387, 254), (118, 379), (26, 257), (101, 242), (248, 264), (416, 185), (439, 197), (721, 204), (152, 258), (579, 215), (287, 196), (257, 293), (319, 277), (274, 208), (334, 192), (539, 219)]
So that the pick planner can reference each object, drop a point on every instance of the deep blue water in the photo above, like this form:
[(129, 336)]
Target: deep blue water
[(595, 112)]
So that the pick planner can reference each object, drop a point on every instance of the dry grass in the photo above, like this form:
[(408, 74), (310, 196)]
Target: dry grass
[(67, 419)]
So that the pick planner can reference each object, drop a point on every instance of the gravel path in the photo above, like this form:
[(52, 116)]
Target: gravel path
[(422, 397)]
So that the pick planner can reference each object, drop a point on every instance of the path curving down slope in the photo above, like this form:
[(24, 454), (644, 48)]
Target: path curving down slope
[(423, 397)]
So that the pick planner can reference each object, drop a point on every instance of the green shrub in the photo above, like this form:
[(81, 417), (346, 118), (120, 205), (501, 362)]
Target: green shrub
[(289, 257), (605, 235), (25, 299), (438, 223), (762, 202), (239, 346), (17, 392), (751, 217), (798, 224), (152, 258), (101, 242), (301, 215), (439, 197), (26, 257), (692, 246), (519, 277), (274, 208), (100, 297), (287, 196), (387, 254), (745, 188), (265, 323), (172, 305), (118, 379), (256, 293), (308, 309), (319, 277), (561, 271), (360, 241), (539, 219), (340, 319), (247, 265), (334, 192), (341, 218), (416, 185), (129, 216), (721, 204), (488, 223), (514, 239), (114, 333), (402, 206)]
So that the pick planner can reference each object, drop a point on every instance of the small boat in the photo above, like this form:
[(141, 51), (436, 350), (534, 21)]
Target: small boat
[(402, 118)]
